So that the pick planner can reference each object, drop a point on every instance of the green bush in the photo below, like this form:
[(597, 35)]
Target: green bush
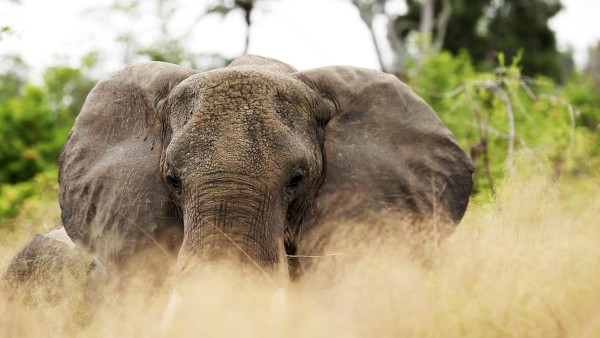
[(505, 119), (35, 193), (36, 120), (32, 138)]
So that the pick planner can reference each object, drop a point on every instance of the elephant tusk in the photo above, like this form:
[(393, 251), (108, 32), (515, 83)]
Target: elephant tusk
[(174, 304), (279, 297), (278, 304)]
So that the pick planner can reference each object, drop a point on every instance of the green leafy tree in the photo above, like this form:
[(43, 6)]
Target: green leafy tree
[(13, 72), (36, 120), (506, 119), (523, 24), (67, 88), (487, 27), (430, 24), (593, 65), (467, 29)]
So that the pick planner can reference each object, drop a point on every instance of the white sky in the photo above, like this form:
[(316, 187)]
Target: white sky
[(290, 30)]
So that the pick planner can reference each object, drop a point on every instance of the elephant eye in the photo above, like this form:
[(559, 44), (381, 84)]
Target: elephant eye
[(173, 181), (297, 179)]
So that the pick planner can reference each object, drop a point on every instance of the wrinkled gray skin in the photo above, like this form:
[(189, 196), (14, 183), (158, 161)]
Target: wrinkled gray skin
[(49, 260), (250, 162)]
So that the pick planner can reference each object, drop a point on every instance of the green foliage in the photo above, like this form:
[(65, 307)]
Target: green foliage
[(36, 120), (519, 24), (13, 71), (583, 94), (27, 127), (466, 28), (593, 66), (486, 27), (4, 30), (66, 89), (31, 195), (507, 120)]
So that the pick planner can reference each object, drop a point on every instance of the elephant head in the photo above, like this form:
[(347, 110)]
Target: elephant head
[(241, 163)]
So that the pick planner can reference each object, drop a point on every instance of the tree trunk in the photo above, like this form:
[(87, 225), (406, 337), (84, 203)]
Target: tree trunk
[(442, 25), (247, 14), (426, 27), (397, 45)]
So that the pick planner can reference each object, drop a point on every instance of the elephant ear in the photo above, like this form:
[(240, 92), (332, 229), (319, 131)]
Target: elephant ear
[(386, 149), (112, 196)]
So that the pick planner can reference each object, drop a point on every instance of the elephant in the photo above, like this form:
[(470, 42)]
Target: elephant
[(51, 262), (252, 163)]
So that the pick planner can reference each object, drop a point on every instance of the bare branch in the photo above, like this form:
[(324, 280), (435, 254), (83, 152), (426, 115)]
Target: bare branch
[(445, 95), (514, 96), (442, 24), (367, 12), (505, 88), (511, 128), (394, 35), (572, 112), (481, 150), (530, 151), (528, 90), (426, 27)]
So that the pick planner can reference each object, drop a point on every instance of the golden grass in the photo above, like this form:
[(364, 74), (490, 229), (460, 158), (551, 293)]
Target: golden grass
[(526, 266)]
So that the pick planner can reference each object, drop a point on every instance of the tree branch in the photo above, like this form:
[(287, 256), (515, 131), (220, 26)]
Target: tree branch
[(367, 12), (442, 25), (426, 27), (511, 129)]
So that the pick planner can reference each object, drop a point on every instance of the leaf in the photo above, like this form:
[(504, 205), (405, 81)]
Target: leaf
[(219, 9)]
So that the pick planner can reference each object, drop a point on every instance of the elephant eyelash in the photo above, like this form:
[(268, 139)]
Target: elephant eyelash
[(174, 182), (297, 178)]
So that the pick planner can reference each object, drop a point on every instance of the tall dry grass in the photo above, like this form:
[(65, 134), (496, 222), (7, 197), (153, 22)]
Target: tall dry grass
[(525, 266)]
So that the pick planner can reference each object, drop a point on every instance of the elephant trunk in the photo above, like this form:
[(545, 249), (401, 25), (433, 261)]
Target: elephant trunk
[(235, 225)]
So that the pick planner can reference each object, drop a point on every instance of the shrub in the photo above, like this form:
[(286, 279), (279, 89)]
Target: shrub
[(502, 117)]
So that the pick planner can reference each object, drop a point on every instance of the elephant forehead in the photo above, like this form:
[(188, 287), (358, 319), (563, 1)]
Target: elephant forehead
[(252, 149), (239, 118), (226, 86), (238, 107), (241, 102), (243, 91), (241, 106)]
